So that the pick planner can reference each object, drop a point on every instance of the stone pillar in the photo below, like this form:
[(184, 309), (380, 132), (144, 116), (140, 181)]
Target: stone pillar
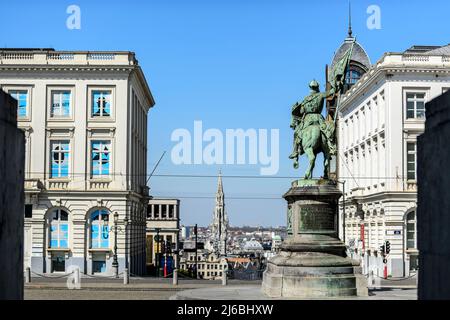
[(312, 262), (126, 276), (433, 218), (12, 207)]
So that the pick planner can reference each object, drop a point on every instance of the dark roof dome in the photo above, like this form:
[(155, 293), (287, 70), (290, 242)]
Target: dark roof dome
[(359, 56)]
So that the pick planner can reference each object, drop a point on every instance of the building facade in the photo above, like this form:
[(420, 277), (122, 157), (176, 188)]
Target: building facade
[(84, 115), (163, 229), (217, 242), (209, 265), (380, 118)]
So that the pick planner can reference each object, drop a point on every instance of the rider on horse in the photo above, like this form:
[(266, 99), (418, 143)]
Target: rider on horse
[(309, 113)]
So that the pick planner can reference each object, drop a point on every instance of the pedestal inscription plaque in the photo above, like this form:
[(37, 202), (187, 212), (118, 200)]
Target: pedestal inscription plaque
[(316, 219)]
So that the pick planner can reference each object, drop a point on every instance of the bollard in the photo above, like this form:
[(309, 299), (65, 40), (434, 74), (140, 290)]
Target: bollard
[(175, 277), (224, 279), (77, 277), (126, 276), (28, 275)]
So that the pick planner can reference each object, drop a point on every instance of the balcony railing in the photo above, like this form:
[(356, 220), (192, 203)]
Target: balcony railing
[(99, 184), (58, 184), (33, 185), (66, 58), (411, 186)]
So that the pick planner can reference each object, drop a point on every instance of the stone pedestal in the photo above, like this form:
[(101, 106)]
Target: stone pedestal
[(312, 262)]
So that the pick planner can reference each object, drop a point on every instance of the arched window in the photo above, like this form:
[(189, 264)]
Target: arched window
[(352, 76), (411, 239), (59, 229), (100, 229)]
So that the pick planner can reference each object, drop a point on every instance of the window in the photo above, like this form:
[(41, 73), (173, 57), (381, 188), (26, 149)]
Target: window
[(28, 211), (61, 104), (411, 230), (22, 102), (59, 229), (415, 105), (164, 211), (352, 76), (60, 154), (101, 103), (101, 153), (100, 229), (411, 160)]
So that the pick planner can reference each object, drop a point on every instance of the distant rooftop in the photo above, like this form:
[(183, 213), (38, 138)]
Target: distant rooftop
[(429, 50)]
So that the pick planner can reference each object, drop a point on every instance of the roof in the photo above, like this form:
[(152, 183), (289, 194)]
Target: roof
[(444, 50), (359, 55), (420, 49), (253, 245)]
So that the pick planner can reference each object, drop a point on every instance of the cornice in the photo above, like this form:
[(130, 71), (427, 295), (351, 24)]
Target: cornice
[(70, 68)]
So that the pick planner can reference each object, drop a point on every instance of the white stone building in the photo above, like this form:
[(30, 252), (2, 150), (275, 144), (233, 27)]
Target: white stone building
[(163, 222), (84, 115), (380, 119), (210, 265)]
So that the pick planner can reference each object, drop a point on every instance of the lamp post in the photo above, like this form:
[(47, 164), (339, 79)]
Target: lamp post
[(157, 251), (343, 209), (115, 264), (196, 250)]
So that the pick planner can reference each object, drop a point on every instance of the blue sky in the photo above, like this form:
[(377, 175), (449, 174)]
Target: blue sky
[(231, 64)]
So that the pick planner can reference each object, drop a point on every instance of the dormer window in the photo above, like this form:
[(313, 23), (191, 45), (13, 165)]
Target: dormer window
[(352, 76)]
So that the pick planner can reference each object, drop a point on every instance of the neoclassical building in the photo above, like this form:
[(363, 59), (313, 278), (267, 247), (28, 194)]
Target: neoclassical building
[(84, 115), (380, 117), (162, 230)]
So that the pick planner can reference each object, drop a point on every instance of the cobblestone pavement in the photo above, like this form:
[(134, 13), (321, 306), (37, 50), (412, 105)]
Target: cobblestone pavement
[(114, 289), (162, 289)]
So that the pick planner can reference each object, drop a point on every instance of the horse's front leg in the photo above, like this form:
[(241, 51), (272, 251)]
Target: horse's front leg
[(312, 160), (326, 166)]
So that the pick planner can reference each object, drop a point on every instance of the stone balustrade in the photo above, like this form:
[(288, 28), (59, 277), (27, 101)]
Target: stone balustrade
[(40, 57)]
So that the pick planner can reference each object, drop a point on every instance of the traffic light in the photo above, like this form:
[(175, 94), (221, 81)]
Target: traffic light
[(168, 247), (388, 247), (383, 249)]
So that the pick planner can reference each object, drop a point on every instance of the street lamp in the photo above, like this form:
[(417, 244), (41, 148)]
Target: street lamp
[(196, 250), (115, 264), (343, 210), (157, 251)]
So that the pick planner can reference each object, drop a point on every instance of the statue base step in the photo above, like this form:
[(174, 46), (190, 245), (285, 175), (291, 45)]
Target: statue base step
[(312, 275)]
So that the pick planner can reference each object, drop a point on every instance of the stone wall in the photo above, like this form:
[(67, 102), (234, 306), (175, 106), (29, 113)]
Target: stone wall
[(12, 161), (434, 201)]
